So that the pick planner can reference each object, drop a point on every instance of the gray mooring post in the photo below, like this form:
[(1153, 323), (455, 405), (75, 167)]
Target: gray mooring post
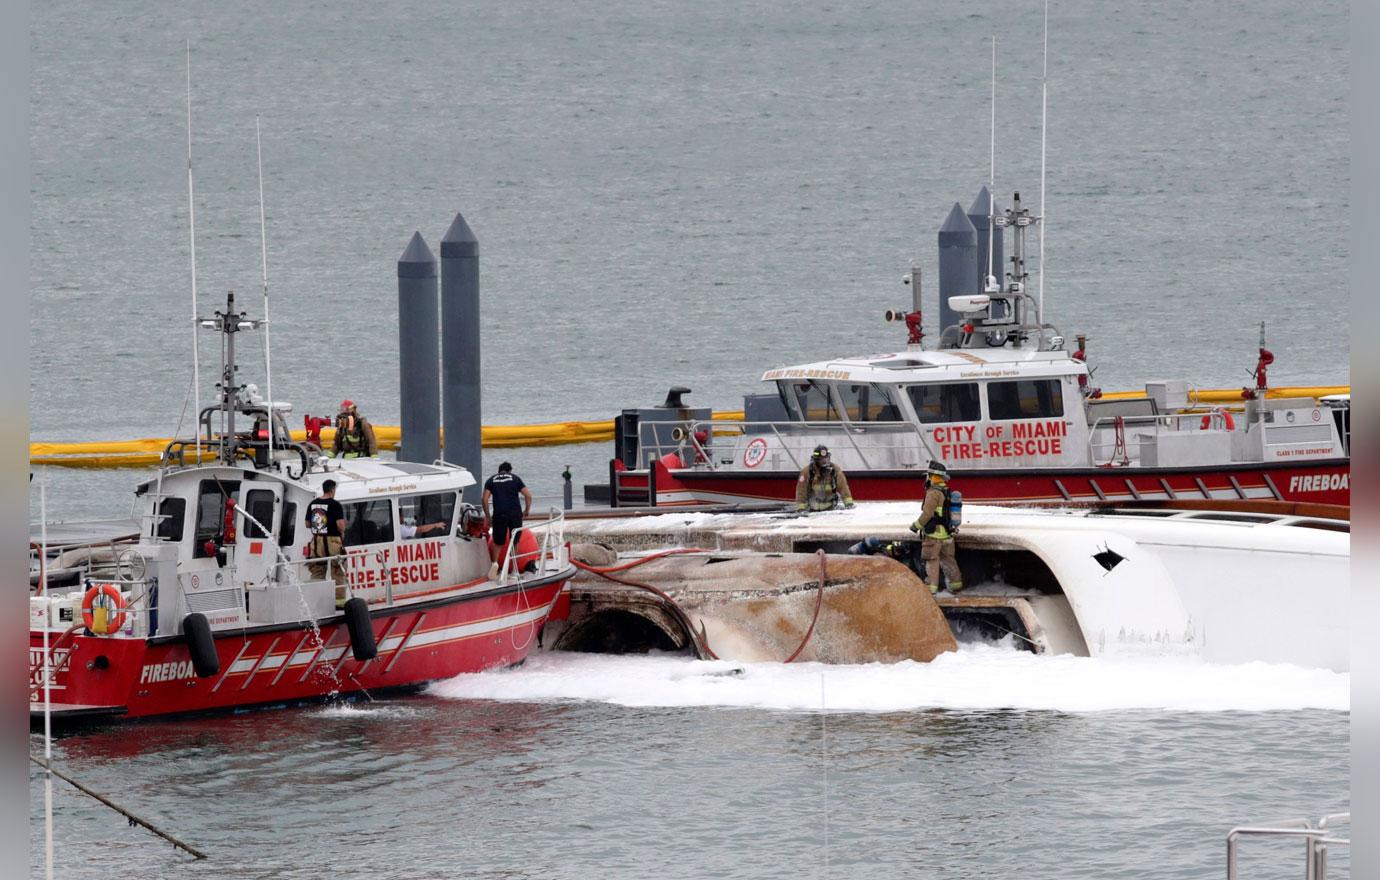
[(460, 389), (959, 267), (419, 384), (977, 213)]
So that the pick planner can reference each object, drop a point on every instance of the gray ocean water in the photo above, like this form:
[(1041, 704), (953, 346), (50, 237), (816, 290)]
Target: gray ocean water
[(666, 194)]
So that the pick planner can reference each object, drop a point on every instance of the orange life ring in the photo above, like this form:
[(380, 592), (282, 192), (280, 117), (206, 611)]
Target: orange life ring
[(1227, 421), (102, 609)]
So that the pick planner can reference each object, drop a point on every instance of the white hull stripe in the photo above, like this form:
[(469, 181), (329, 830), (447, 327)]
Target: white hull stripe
[(419, 640)]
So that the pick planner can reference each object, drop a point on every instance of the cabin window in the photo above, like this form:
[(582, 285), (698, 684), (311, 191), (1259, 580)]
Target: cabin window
[(945, 403), (287, 530), (1025, 399), (258, 503), (368, 522), (422, 509), (811, 402), (210, 513), (173, 513), (867, 403)]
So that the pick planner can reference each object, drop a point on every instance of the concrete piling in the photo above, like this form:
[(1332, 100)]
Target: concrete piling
[(959, 265), (460, 376), (978, 214), (418, 354)]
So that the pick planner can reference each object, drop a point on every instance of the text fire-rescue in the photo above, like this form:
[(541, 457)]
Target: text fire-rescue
[(1319, 482), (968, 442)]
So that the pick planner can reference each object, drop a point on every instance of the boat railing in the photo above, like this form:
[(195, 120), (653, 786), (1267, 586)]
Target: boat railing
[(136, 605), (110, 560), (552, 554), (1117, 440), (1318, 837), (876, 445)]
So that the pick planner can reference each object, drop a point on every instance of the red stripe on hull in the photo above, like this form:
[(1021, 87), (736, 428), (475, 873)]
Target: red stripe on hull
[(1323, 482), (419, 644)]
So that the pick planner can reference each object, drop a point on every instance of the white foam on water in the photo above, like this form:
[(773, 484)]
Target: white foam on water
[(364, 709), (975, 677)]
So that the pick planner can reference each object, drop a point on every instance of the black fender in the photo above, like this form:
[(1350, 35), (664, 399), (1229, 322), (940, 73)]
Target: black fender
[(200, 644), (361, 628)]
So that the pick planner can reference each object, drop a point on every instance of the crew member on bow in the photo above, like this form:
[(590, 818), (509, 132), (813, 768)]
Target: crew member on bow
[(822, 484), (506, 500), (936, 524), (354, 436)]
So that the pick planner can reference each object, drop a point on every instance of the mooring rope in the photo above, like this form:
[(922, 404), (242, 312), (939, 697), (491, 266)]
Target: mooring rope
[(133, 819)]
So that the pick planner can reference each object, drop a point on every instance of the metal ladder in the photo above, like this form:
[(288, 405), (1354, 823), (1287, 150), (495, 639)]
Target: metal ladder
[(1317, 838)]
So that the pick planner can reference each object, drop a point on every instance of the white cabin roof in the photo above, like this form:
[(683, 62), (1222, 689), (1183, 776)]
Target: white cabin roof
[(371, 477), (947, 365), (355, 478)]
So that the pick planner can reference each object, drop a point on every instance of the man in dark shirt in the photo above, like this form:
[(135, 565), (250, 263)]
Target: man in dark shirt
[(326, 523), (501, 492)]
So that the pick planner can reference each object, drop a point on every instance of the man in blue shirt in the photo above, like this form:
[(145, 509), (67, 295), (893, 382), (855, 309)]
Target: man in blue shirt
[(502, 507)]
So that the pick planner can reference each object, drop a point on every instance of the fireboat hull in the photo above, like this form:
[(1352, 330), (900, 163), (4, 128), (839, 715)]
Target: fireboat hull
[(1324, 481), (127, 677)]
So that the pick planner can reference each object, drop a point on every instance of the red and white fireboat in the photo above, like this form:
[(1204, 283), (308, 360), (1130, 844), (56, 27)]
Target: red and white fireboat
[(205, 601), (1008, 408)]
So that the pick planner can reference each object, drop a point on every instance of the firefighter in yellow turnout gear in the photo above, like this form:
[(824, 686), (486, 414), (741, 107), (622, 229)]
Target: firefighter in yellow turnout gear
[(822, 485), (937, 550), (354, 436)]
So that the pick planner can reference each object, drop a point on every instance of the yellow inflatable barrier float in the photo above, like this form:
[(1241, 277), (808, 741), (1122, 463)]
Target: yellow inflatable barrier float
[(147, 452)]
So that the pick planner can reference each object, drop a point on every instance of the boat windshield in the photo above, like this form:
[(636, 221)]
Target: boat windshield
[(808, 401), (867, 403)]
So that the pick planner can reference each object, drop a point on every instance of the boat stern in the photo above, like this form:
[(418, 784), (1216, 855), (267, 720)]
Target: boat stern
[(86, 676)]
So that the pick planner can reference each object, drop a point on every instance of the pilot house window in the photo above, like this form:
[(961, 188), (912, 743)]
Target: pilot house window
[(210, 515), (259, 505), (1027, 399), (171, 512), (422, 509), (945, 403), (368, 522)]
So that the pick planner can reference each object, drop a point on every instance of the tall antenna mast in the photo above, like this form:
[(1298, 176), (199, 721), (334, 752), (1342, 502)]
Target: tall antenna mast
[(1044, 108), (191, 221), (263, 246), (992, 176), (47, 682)]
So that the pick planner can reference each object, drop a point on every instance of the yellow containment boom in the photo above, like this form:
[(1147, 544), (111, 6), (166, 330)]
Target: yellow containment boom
[(148, 451)]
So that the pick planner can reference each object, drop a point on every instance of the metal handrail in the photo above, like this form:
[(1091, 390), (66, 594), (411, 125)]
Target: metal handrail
[(1110, 423), (1317, 837), (554, 527), (782, 431)]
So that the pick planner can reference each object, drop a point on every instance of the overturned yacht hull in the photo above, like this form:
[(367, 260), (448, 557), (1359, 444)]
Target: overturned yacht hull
[(1227, 587)]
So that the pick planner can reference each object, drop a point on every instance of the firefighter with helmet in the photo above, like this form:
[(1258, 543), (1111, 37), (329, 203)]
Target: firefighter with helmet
[(822, 484), (936, 525), (354, 436)]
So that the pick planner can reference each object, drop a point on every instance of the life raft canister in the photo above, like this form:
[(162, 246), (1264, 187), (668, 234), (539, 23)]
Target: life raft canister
[(102, 609)]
